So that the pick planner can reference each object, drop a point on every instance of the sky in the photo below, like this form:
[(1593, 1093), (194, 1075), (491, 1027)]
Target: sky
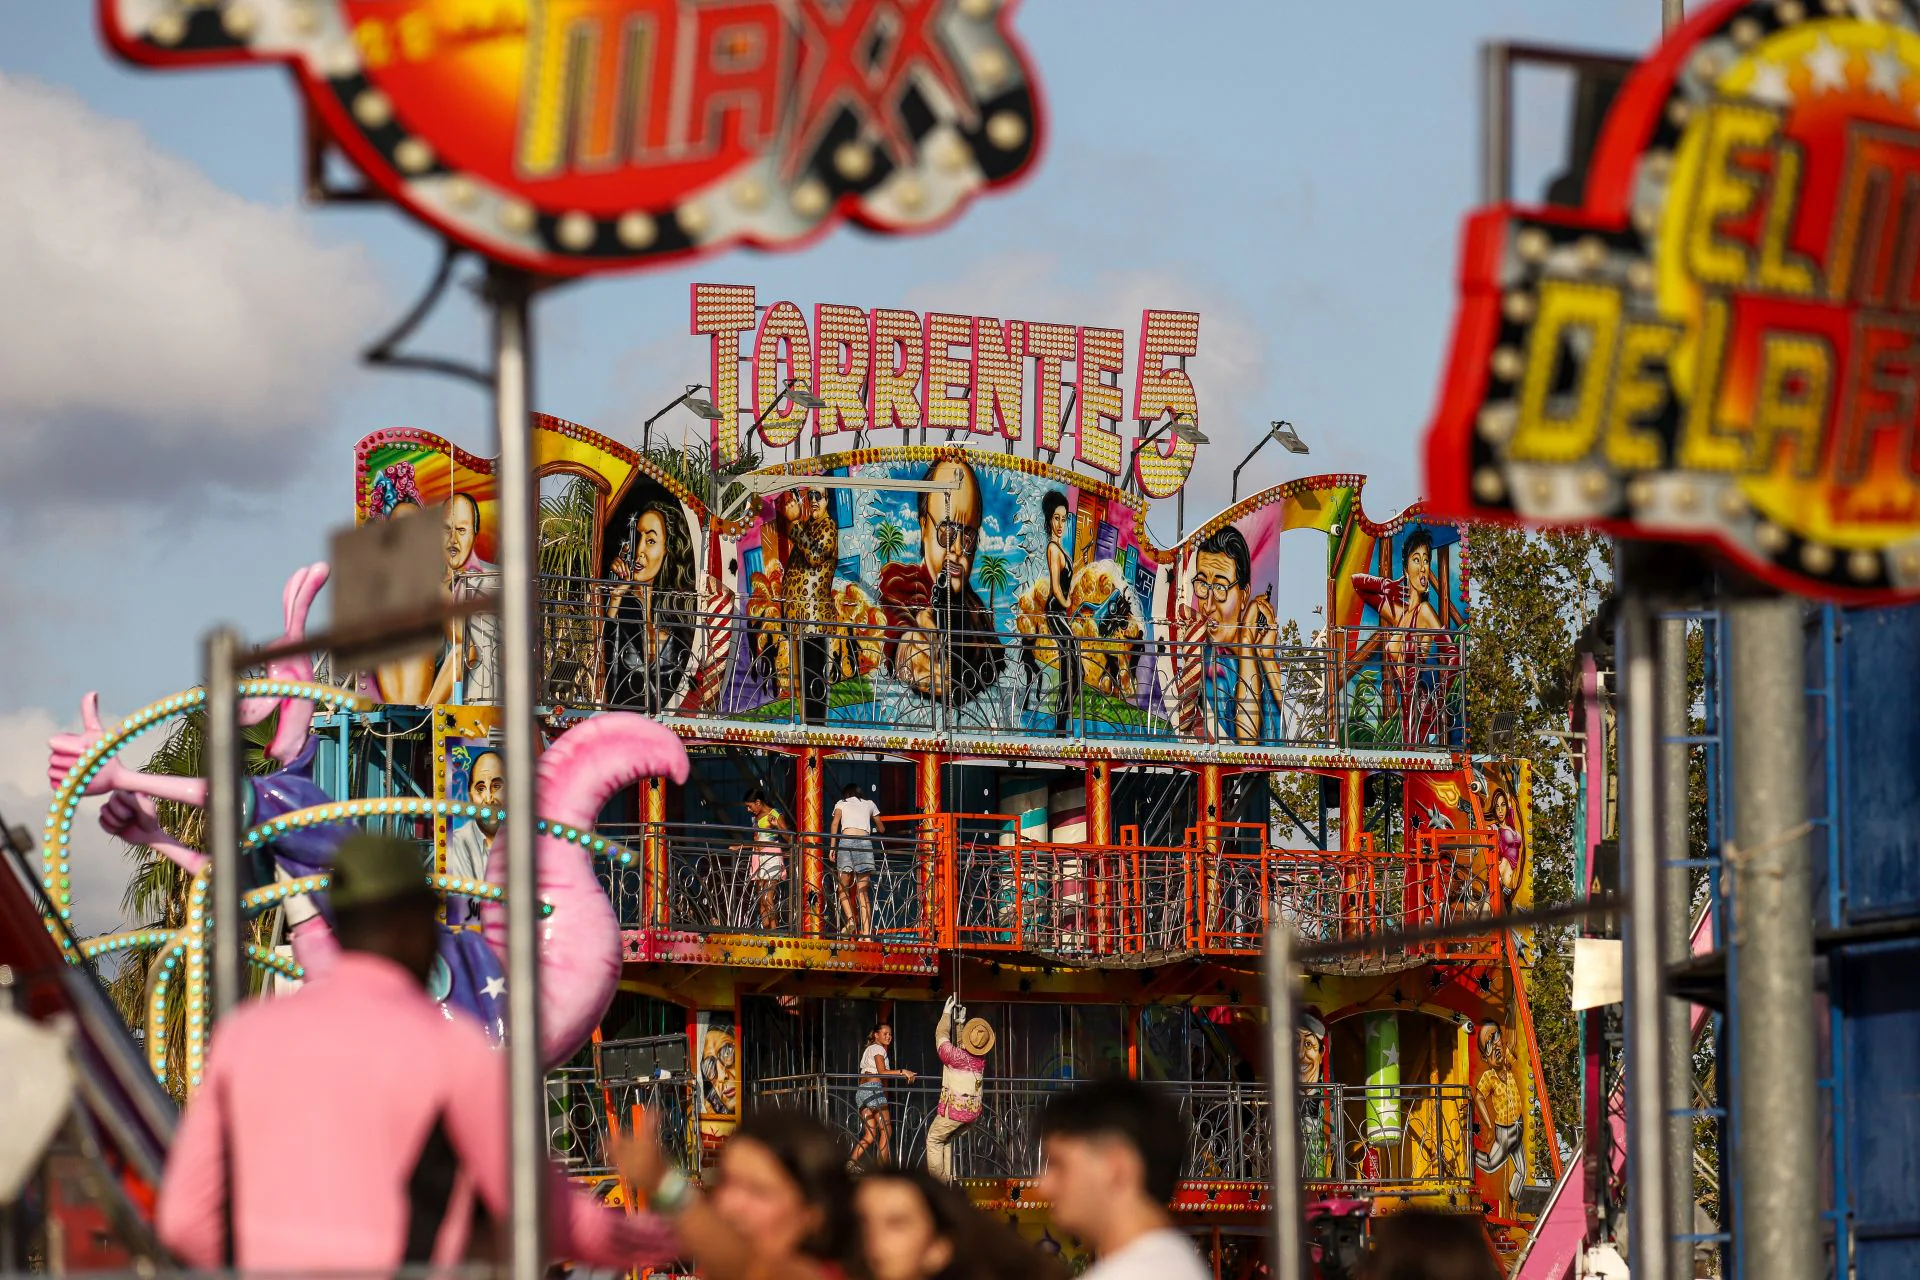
[(180, 387)]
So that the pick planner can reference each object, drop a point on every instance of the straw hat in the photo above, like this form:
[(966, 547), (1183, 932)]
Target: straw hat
[(976, 1037)]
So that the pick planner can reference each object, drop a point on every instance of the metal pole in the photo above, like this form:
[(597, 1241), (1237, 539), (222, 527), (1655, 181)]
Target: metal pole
[(520, 675), (1647, 1152), (1772, 946), (1675, 698), (1672, 14), (1496, 169), (224, 766), (1284, 1107)]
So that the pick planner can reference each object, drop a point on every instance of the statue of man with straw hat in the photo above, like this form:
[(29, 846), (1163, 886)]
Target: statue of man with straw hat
[(964, 1044)]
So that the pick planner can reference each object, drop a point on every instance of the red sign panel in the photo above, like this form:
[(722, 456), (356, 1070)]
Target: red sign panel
[(1723, 344), (574, 136)]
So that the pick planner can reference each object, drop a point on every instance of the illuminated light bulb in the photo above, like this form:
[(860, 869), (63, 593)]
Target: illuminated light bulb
[(373, 108), (636, 230), (1006, 130), (575, 231), (853, 160), (1816, 557), (516, 216), (749, 194), (990, 68), (167, 28), (694, 219), (1771, 537)]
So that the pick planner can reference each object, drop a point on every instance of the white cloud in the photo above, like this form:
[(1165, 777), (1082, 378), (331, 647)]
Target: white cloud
[(99, 862), (159, 333)]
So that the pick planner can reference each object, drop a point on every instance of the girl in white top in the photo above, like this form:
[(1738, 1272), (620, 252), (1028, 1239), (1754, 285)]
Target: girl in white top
[(876, 1124)]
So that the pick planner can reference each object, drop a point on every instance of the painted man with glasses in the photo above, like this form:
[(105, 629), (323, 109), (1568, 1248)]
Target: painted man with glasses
[(1239, 667), (941, 639)]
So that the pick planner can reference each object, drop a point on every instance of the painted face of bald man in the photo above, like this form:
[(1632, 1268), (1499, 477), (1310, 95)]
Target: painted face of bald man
[(950, 526)]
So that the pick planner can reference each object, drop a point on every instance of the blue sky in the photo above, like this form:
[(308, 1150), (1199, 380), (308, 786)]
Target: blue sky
[(179, 435)]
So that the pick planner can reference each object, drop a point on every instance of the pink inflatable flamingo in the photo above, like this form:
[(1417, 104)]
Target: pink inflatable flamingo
[(580, 940)]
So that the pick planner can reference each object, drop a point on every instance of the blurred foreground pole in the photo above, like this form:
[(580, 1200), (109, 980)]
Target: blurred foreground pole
[(508, 292), (1776, 1117), (224, 772), (1675, 697), (1283, 1106), (1648, 1157)]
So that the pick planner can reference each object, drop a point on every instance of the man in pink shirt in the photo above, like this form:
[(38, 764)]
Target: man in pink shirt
[(352, 1125), (964, 1044)]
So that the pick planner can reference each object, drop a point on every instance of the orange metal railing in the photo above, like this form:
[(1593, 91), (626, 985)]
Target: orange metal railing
[(971, 881)]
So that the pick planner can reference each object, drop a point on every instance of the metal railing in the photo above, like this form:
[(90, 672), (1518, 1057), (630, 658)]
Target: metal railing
[(579, 1103), (969, 881), (1364, 687), (1355, 1137)]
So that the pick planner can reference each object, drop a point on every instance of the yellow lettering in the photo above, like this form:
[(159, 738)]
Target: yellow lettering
[(1725, 190), (1781, 270), (416, 36), (1562, 427), (1796, 373), (376, 48), (1638, 392), (1703, 446)]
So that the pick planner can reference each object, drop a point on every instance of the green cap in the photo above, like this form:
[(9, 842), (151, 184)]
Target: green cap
[(370, 869)]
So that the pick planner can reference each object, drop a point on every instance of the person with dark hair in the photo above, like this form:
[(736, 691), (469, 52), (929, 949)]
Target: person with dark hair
[(856, 820), (914, 1227), (768, 868), (1419, 658), (400, 1121), (1239, 670), (870, 1096), (1113, 1151), (941, 639), (647, 644), (781, 1207), (1420, 1244), (470, 843), (1053, 512)]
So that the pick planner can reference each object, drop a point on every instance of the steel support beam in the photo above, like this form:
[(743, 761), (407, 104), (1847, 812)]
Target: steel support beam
[(1675, 698), (509, 293), (1776, 1120), (1647, 1105)]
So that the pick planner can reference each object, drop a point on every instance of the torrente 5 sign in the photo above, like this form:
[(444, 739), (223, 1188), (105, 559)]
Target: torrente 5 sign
[(1724, 344), (573, 136), (897, 370)]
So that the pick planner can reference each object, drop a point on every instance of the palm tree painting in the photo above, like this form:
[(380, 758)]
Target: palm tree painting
[(888, 541), (994, 575)]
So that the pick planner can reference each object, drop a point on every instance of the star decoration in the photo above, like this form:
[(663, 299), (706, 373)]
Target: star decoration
[(1827, 65), (494, 988), (1770, 84), (1886, 72)]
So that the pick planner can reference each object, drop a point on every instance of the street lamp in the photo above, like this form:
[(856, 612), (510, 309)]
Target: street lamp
[(701, 407), (1289, 440)]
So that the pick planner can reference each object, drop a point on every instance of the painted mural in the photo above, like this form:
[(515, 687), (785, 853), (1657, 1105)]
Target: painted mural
[(413, 474), (1003, 595), (1399, 602)]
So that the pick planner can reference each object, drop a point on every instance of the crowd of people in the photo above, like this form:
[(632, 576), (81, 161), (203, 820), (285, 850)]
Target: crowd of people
[(395, 1117)]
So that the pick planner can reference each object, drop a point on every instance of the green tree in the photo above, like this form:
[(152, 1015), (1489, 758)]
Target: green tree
[(888, 541), (995, 576), (1532, 595)]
